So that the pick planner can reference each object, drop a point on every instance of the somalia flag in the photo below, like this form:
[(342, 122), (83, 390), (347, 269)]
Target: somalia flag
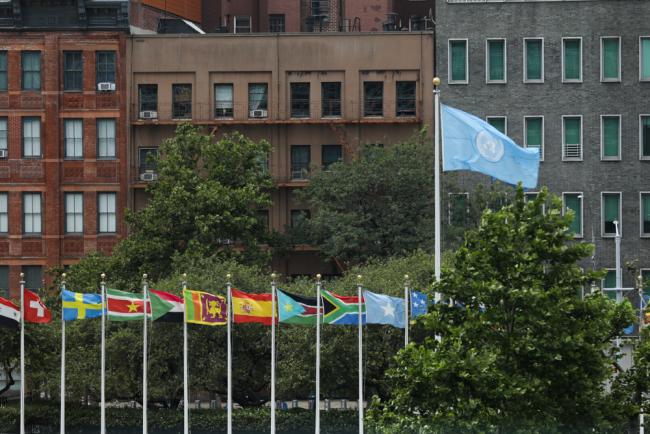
[(343, 310)]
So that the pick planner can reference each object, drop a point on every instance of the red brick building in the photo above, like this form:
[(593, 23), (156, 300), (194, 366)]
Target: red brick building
[(63, 135)]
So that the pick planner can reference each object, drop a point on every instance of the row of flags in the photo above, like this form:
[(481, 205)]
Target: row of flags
[(210, 309)]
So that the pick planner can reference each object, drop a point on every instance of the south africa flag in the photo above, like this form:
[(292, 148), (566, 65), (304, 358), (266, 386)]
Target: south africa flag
[(342, 310)]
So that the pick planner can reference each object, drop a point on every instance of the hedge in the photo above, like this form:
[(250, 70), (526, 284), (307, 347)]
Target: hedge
[(43, 418)]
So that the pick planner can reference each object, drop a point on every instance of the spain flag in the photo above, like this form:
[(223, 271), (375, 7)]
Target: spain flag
[(252, 307)]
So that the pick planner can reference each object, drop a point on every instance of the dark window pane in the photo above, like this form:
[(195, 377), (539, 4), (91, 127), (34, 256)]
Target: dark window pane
[(223, 100), (3, 70), (299, 100), (300, 160), (258, 99), (148, 97), (298, 216), (33, 276), (331, 99), (610, 212), (147, 159), (534, 59), (645, 213), (645, 136), (72, 70), (276, 23), (4, 281), (405, 98), (105, 66), (373, 98), (182, 101), (31, 65), (331, 154)]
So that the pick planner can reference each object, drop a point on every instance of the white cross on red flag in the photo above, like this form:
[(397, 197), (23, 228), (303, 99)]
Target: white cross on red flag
[(35, 310)]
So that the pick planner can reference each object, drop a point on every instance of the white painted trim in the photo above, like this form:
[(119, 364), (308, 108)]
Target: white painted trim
[(602, 213), (487, 61), (620, 72), (449, 80), (581, 139), (571, 38), (525, 69), (641, 156), (505, 123), (620, 138), (641, 233), (581, 196), (541, 154), (641, 59)]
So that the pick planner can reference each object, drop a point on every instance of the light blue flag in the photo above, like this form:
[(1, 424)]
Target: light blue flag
[(419, 304), (288, 307), (383, 309), (470, 143)]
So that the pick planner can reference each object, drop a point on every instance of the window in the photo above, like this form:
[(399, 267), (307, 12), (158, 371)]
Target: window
[(495, 59), (72, 71), (31, 65), (31, 137), (33, 276), (611, 212), (223, 101), (4, 213), (242, 24), (300, 160), (32, 213), (106, 138), (644, 58), (3, 70), (73, 138), (276, 23), (298, 217), (458, 209), (571, 59), (645, 281), (610, 282), (105, 66), (331, 154), (106, 212), (331, 99), (74, 213), (610, 59), (534, 133), (4, 141), (148, 97), (182, 101), (644, 136), (458, 65), (573, 202), (147, 158), (4, 281), (533, 60), (572, 137), (405, 98), (645, 214), (498, 122), (299, 100), (373, 98), (610, 137), (258, 99)]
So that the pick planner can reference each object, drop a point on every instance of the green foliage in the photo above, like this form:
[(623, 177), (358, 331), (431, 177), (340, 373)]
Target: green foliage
[(525, 353)]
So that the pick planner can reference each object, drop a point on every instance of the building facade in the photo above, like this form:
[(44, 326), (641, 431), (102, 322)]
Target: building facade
[(571, 78), (317, 98), (63, 135)]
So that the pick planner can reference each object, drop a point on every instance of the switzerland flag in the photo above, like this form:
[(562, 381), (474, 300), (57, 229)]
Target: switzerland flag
[(35, 310)]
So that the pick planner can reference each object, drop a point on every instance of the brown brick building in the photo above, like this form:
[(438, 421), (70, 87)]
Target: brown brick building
[(63, 135)]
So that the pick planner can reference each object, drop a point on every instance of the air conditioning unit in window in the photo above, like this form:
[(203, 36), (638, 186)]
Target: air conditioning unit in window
[(258, 114), (148, 114), (148, 176), (4, 153), (105, 87)]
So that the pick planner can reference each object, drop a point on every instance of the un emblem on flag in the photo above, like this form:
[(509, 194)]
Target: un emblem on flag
[(490, 147)]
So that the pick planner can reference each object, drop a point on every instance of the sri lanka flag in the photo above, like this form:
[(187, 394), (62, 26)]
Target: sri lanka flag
[(204, 308), (340, 309)]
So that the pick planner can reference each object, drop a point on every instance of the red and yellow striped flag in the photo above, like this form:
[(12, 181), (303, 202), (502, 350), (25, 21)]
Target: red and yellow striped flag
[(252, 307)]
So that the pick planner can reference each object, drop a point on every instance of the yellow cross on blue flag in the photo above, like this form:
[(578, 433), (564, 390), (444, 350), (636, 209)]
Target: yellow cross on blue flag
[(80, 306), (470, 143)]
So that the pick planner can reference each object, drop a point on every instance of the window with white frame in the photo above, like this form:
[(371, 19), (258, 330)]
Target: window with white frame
[(573, 201), (571, 60), (534, 133), (498, 122), (645, 213), (74, 214), (223, 100), (31, 137), (644, 136), (610, 212), (533, 60), (609, 282), (32, 213), (571, 138), (496, 63), (4, 141), (4, 213), (610, 59), (242, 24), (610, 137), (644, 58), (106, 138), (458, 65), (73, 138), (106, 212)]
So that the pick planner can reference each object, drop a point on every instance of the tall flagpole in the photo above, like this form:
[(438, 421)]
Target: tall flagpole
[(641, 320), (22, 353), (186, 397), (229, 334), (62, 412), (406, 309), (145, 297), (273, 288), (102, 429), (436, 136), (360, 403), (317, 399)]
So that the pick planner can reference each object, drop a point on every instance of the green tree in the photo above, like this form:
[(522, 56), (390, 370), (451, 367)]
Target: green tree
[(521, 351)]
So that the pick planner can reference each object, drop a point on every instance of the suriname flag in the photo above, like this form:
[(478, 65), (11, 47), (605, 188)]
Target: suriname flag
[(125, 306)]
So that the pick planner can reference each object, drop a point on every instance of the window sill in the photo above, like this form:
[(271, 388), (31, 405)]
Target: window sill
[(374, 116), (106, 234), (533, 81), (73, 234), (458, 82), (73, 158), (496, 82), (331, 116), (644, 158), (610, 80), (73, 91), (106, 158), (608, 235), (33, 235), (610, 159), (571, 160), (24, 157), (572, 81)]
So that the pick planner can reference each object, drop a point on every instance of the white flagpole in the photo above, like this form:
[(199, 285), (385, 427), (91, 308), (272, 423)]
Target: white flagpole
[(360, 403), (406, 309), (145, 297), (186, 398), (22, 353), (62, 413), (273, 276), (229, 334), (436, 135), (641, 325), (317, 399), (103, 358)]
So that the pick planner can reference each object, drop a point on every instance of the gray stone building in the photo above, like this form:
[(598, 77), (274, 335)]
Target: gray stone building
[(572, 77)]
